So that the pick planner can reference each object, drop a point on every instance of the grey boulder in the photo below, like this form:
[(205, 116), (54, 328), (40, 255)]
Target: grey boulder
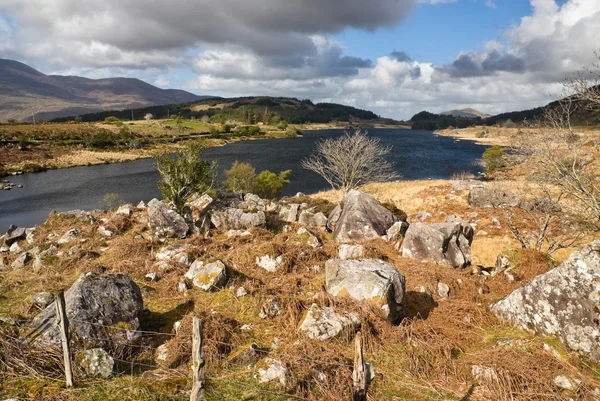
[(486, 197), (323, 323), (165, 222), (210, 276), (14, 234), (237, 219), (288, 212), (362, 219), (562, 303), (309, 218), (334, 217)]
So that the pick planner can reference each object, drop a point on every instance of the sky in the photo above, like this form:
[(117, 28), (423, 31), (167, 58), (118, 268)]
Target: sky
[(394, 57)]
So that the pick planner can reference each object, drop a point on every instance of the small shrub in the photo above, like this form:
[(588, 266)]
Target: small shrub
[(214, 131), (494, 158), (270, 185), (32, 168), (480, 134), (293, 132), (248, 130), (241, 177), (282, 125), (100, 140), (24, 143), (111, 120)]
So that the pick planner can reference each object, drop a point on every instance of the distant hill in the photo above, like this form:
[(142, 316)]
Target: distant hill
[(24, 90), (430, 121), (251, 110), (467, 113)]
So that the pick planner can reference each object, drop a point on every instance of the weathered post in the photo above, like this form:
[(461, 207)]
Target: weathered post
[(197, 362), (63, 324), (359, 374)]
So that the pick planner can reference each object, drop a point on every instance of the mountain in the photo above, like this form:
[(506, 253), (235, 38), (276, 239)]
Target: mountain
[(467, 113), (24, 90)]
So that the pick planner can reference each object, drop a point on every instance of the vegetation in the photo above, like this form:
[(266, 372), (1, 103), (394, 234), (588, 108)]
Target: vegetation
[(241, 177), (494, 158), (184, 174)]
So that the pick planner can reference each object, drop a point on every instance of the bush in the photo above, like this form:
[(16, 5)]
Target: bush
[(111, 120), (293, 132), (184, 174), (282, 125), (100, 140), (270, 185), (494, 158), (241, 177), (24, 143), (248, 130), (214, 131)]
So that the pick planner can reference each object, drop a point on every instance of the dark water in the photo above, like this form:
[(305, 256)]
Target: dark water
[(416, 154)]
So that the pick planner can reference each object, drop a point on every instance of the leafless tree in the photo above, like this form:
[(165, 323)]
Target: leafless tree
[(148, 117), (351, 160)]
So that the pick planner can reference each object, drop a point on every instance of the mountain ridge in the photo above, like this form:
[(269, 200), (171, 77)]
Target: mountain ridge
[(466, 112)]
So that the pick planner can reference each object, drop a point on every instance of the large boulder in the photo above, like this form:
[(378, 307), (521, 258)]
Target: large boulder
[(14, 234), (563, 303), (309, 218), (368, 279), (334, 217), (488, 197), (237, 219), (362, 219), (323, 323), (448, 243), (165, 222), (288, 212), (100, 309)]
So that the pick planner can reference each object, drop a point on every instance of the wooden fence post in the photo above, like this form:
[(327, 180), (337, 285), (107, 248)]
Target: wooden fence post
[(360, 372), (63, 324), (197, 362)]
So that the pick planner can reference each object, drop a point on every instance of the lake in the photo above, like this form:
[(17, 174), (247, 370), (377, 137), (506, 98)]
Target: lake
[(417, 155)]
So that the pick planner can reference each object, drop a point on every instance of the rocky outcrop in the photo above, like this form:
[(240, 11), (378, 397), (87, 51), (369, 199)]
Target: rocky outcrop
[(334, 217), (100, 308), (564, 303), (270, 263), (305, 237), (368, 279), (362, 219), (165, 222), (491, 197), (288, 212), (309, 218), (210, 276), (448, 243), (323, 323), (237, 219), (351, 251)]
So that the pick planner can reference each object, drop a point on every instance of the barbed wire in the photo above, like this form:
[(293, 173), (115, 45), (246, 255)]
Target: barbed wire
[(122, 328)]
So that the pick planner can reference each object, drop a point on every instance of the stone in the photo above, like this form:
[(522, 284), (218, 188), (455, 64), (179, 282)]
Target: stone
[(125, 210), (200, 204), (502, 264), (151, 276), (496, 223), (323, 323), (276, 370), (270, 309), (141, 205), (397, 231), (30, 235), (42, 299), (423, 216), (562, 303), (14, 234), (362, 219), (288, 212), (104, 232), (96, 363), (237, 219), (483, 374), (69, 236), (269, 263), (165, 222), (368, 279), (351, 251), (174, 253), (245, 355), (462, 185), (492, 197), (210, 276), (443, 290), (238, 234), (3, 263), (253, 202), (448, 243), (15, 248), (21, 261), (100, 309), (79, 215), (38, 264), (334, 217), (308, 218), (564, 383), (241, 292), (306, 237)]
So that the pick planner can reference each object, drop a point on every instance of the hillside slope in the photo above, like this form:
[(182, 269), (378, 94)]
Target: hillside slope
[(467, 113), (24, 90)]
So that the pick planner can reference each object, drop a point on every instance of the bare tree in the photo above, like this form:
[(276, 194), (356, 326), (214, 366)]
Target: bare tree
[(351, 161), (148, 117)]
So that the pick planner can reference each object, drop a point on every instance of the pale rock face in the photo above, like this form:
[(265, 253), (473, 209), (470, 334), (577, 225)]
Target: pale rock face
[(323, 323), (483, 374), (480, 196), (211, 276), (306, 237), (289, 212), (276, 370), (368, 279), (239, 234), (15, 248), (269, 263), (563, 303), (252, 201), (351, 251), (21, 261), (165, 222), (14, 234), (237, 219), (396, 231), (443, 290), (125, 210), (104, 232), (175, 253), (334, 217), (42, 299), (96, 363), (362, 219), (69, 236), (308, 218)]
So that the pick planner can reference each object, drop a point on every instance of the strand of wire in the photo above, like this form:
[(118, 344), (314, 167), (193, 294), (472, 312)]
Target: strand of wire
[(256, 388), (121, 328)]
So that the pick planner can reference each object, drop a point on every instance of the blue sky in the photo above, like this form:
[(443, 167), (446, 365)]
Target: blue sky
[(492, 55)]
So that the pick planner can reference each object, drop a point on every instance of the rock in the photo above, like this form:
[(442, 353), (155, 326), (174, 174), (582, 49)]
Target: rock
[(492, 197), (103, 231), (396, 231), (237, 219), (241, 292), (174, 253), (443, 290), (563, 303), (362, 219), (448, 243), (165, 222), (269, 263), (564, 383), (15, 248), (30, 235), (323, 323), (21, 261), (334, 217), (183, 287), (100, 308), (464, 184), (276, 370), (212, 276), (42, 299), (287, 228), (3, 263), (368, 279), (38, 265), (270, 309), (502, 264), (151, 276), (306, 237), (50, 251), (238, 234), (200, 204), (351, 251), (79, 215), (96, 363), (246, 355), (125, 210), (496, 223), (289, 212), (141, 205), (423, 216), (253, 202), (69, 236), (483, 374), (14, 234), (308, 218)]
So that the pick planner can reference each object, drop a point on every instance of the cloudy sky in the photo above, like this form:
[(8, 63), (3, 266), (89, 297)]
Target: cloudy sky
[(395, 57)]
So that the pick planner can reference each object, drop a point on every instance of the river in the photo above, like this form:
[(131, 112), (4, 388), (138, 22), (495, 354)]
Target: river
[(416, 154)]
